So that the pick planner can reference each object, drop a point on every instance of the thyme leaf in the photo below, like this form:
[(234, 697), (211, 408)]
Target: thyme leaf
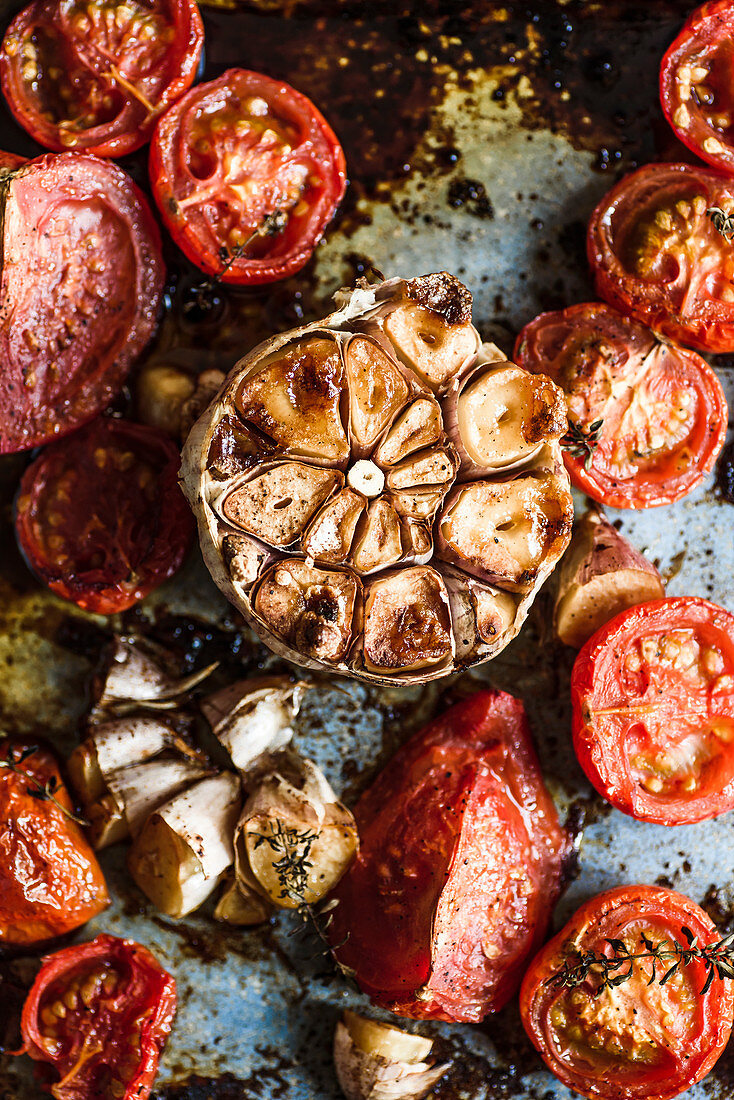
[(580, 443), (43, 792), (722, 222), (607, 970)]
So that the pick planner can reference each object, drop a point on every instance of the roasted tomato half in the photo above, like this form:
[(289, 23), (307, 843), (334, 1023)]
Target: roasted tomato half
[(657, 254), (100, 517), (94, 77), (100, 1014), (459, 866), (80, 286), (50, 881), (653, 710), (697, 84), (647, 418), (247, 174), (642, 1038)]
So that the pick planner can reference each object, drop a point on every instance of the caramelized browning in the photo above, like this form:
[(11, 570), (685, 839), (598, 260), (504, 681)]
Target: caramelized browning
[(311, 608), (377, 390), (407, 623), (277, 504), (434, 349)]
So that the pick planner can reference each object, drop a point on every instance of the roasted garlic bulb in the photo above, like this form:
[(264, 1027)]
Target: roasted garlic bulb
[(380, 493)]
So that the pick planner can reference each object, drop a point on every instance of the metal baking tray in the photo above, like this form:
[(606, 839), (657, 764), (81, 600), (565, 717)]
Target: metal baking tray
[(478, 137)]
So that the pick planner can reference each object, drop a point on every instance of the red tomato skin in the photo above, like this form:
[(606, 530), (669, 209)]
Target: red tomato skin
[(456, 820), (128, 131), (604, 917), (708, 23), (174, 525), (638, 492), (711, 327), (605, 769), (50, 390), (51, 880), (158, 999), (165, 155)]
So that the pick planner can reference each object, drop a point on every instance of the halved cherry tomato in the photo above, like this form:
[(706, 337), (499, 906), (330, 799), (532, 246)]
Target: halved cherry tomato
[(50, 881), (100, 517), (662, 410), (247, 174), (459, 866), (697, 84), (653, 710), (657, 255), (94, 75), (100, 1014), (642, 1039), (80, 287)]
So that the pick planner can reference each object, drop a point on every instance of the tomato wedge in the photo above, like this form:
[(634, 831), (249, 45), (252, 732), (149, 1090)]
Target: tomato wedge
[(100, 517), (641, 1039), (51, 881), (653, 710), (94, 77), (459, 867), (100, 1014), (661, 409), (80, 287), (656, 254), (247, 174), (697, 84)]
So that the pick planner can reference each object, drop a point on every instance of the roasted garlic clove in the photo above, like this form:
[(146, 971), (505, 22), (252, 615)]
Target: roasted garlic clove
[(294, 838), (435, 467), (505, 531), (233, 449), (276, 504), (503, 416), (246, 558), (330, 534), (295, 400), (379, 542), (418, 427), (375, 1061), (407, 622), (310, 608), (253, 717), (208, 384), (241, 905), (186, 844), (161, 391), (377, 391), (481, 614), (137, 674)]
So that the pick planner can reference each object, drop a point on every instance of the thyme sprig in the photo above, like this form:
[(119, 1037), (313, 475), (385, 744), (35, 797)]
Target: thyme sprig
[(294, 848), (580, 443), (43, 792), (722, 222), (579, 966)]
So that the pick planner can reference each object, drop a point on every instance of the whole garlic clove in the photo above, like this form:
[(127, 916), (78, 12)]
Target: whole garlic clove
[(161, 392), (375, 1061), (254, 717), (241, 905)]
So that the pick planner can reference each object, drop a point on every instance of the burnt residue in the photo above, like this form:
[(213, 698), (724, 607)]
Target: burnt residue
[(718, 901), (476, 1075), (725, 473), (470, 195), (264, 1081)]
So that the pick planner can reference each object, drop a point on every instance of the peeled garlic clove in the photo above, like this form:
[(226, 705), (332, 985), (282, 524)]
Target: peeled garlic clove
[(276, 504), (415, 429), (423, 470), (377, 391), (330, 534), (407, 622), (241, 905), (253, 717), (186, 844), (379, 542), (504, 531), (294, 813), (313, 609), (295, 400), (374, 1061), (160, 394)]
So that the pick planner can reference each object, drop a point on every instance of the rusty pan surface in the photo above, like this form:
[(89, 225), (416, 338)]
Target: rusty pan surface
[(478, 137)]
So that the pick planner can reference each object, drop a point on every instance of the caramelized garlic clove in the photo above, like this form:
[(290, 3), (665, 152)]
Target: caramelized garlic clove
[(379, 543), (161, 391), (330, 534), (480, 613), (418, 427), (426, 469), (407, 622), (377, 391), (295, 400), (423, 340), (241, 905), (276, 505)]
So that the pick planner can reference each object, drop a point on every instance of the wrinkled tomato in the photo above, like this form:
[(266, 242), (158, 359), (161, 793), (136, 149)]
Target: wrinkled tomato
[(100, 1014), (647, 419), (81, 284), (657, 255), (100, 517), (697, 84), (94, 75), (641, 1039), (459, 866), (653, 710), (247, 174), (50, 881)]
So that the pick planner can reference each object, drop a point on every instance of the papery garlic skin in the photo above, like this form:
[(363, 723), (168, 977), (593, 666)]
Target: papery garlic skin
[(335, 456), (374, 1061), (254, 717)]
